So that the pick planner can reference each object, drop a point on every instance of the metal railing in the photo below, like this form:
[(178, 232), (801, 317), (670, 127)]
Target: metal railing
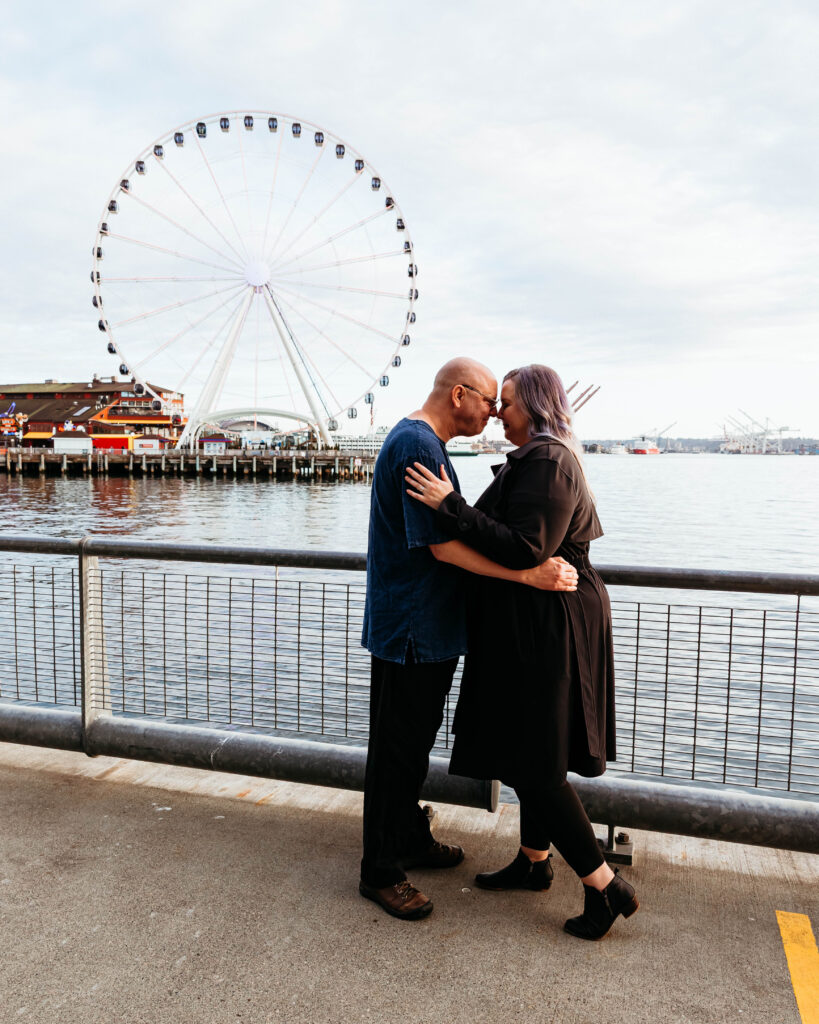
[(263, 673)]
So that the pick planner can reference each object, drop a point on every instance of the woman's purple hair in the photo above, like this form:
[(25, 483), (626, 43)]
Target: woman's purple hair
[(541, 393)]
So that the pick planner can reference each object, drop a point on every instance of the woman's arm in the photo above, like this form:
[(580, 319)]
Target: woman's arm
[(554, 574), (539, 509)]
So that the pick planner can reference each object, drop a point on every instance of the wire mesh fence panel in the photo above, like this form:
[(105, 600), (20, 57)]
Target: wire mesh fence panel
[(238, 651), (726, 695), (39, 635)]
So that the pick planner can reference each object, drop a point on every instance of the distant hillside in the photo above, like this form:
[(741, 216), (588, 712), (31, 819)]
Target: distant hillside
[(708, 444)]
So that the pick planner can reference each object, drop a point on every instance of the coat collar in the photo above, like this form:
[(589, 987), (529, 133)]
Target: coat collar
[(523, 451)]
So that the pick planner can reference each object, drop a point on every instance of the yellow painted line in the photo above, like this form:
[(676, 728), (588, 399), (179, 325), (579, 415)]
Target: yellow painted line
[(803, 962)]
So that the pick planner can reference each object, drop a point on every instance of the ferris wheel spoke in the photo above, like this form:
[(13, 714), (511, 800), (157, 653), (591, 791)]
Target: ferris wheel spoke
[(221, 196), (288, 340), (283, 360), (339, 313), (201, 212), (343, 263), (272, 192), (256, 359), (172, 305), (171, 252), (208, 346), (180, 227), (359, 291), (306, 355), (244, 179), (332, 238), (286, 375), (296, 202), (218, 375), (320, 214), (327, 338), (154, 280), (242, 156), (185, 330)]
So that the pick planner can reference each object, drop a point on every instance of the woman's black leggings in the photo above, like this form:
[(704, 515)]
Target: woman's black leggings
[(557, 816)]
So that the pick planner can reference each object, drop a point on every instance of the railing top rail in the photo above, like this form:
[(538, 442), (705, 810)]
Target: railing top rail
[(616, 575), (34, 544), (804, 584)]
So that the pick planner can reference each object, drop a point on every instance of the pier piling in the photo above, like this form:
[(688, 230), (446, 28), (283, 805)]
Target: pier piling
[(285, 465)]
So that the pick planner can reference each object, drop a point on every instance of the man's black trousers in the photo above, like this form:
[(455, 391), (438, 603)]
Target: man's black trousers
[(406, 711)]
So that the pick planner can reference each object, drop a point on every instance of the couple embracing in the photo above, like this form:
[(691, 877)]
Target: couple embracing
[(508, 583)]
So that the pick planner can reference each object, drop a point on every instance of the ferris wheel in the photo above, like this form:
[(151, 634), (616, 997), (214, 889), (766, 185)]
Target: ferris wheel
[(260, 266)]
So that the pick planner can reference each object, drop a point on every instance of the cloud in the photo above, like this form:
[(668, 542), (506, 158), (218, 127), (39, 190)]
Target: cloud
[(626, 191)]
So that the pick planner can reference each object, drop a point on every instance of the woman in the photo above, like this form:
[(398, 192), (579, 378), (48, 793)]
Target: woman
[(537, 695)]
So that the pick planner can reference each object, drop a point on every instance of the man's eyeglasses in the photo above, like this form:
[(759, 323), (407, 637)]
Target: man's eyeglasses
[(493, 402)]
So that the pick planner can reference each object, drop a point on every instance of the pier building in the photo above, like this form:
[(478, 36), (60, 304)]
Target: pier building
[(33, 412)]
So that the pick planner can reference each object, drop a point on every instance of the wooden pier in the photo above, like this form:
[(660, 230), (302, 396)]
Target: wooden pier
[(329, 466)]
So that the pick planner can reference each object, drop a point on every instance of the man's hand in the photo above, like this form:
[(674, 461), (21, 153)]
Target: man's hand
[(553, 574)]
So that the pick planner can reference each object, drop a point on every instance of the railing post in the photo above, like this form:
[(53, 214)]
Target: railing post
[(93, 660)]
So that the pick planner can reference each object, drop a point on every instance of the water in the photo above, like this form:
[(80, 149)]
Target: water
[(690, 511), (233, 646)]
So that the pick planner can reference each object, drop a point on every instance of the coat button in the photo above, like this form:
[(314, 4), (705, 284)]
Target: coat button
[(463, 526)]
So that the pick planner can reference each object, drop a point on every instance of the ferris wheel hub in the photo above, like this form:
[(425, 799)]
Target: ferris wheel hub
[(257, 274)]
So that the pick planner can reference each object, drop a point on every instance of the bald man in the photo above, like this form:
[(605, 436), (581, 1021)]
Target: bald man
[(415, 630)]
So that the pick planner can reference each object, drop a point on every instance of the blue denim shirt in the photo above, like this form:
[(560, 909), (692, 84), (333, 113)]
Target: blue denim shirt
[(415, 604)]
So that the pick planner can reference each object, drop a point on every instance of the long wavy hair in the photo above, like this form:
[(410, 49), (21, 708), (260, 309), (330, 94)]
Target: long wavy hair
[(541, 393)]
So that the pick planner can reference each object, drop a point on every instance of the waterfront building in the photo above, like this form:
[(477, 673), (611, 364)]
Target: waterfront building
[(72, 442), (34, 412), (369, 444)]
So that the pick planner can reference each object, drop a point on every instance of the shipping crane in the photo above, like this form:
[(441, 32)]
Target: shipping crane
[(664, 431), (585, 396), (751, 437)]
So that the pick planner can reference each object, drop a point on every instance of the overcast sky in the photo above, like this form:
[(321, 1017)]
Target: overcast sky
[(627, 192)]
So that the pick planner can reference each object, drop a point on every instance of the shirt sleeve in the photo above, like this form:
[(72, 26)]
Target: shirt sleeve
[(541, 502), (421, 527)]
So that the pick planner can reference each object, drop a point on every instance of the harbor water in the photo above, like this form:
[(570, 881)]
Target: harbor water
[(688, 511), (712, 686)]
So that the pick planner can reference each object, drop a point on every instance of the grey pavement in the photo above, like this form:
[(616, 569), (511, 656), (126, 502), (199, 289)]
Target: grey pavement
[(143, 893)]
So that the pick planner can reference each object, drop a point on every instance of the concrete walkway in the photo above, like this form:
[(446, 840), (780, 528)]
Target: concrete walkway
[(143, 894)]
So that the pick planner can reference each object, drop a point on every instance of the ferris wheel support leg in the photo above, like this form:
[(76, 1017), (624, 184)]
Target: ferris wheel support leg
[(216, 377), (292, 356)]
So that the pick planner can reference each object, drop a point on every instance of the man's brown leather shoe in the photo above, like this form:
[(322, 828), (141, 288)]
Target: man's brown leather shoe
[(439, 855), (402, 900)]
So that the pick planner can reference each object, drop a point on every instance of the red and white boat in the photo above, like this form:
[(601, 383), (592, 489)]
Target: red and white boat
[(644, 446)]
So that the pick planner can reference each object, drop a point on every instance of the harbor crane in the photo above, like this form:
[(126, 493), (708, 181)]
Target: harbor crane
[(585, 396), (750, 437), (664, 431)]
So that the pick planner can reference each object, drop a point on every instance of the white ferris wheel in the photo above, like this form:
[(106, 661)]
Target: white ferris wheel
[(258, 265)]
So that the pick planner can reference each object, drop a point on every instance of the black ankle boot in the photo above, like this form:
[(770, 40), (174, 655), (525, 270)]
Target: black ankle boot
[(522, 873), (601, 909)]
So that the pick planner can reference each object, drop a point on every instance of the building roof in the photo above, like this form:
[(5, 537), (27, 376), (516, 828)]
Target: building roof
[(56, 401), (57, 410), (97, 385)]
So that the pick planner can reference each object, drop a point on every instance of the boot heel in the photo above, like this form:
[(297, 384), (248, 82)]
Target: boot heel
[(631, 908)]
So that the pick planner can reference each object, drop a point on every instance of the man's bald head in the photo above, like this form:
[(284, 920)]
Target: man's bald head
[(463, 370), (462, 398)]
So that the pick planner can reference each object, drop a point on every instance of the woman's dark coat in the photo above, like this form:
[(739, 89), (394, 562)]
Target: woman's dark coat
[(537, 694)]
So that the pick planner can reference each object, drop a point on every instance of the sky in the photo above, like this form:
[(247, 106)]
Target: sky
[(625, 192)]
